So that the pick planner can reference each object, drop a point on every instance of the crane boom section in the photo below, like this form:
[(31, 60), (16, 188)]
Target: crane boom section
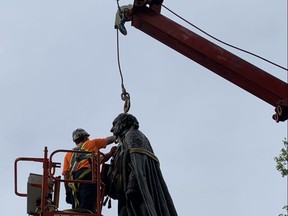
[(229, 66)]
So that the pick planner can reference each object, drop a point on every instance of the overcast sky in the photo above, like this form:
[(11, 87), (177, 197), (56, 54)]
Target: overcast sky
[(215, 141)]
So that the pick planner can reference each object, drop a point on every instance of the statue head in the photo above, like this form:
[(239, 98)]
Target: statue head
[(122, 123)]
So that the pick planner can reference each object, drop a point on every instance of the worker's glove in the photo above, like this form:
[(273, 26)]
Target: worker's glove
[(107, 156), (113, 150)]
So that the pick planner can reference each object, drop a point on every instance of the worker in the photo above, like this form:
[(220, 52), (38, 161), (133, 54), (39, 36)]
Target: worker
[(77, 166), (135, 177)]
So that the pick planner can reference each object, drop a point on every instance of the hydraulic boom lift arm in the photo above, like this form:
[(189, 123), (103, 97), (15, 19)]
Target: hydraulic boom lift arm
[(227, 65)]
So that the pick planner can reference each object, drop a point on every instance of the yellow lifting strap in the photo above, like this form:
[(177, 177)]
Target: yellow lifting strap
[(144, 151), (75, 187)]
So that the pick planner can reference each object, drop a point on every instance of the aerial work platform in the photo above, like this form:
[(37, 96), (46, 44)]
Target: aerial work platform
[(43, 190)]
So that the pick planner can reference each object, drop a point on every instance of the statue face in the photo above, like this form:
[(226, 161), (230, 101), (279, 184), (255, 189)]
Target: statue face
[(117, 126), (122, 123)]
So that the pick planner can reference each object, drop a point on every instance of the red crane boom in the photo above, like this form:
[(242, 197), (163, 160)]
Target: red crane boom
[(227, 65)]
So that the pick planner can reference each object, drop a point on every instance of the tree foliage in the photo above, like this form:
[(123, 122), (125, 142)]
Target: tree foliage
[(282, 166), (286, 208), (282, 160)]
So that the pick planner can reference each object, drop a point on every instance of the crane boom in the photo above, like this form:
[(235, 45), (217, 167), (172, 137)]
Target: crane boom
[(227, 65)]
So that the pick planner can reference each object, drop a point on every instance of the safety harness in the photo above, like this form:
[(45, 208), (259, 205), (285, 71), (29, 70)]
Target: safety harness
[(76, 160)]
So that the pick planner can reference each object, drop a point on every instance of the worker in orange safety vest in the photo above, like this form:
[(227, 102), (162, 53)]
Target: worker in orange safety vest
[(77, 166)]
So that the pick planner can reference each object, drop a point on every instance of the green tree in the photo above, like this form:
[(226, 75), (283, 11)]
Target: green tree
[(282, 166)]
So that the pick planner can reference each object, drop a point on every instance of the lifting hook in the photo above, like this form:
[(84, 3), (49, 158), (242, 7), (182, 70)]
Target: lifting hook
[(126, 98)]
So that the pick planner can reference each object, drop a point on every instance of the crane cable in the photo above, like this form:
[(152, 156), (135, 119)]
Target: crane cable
[(125, 96), (223, 42)]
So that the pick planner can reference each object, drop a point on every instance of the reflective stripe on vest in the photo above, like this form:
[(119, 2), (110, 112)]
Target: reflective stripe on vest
[(78, 158)]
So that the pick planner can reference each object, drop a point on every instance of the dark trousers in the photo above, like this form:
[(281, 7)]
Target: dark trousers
[(87, 192)]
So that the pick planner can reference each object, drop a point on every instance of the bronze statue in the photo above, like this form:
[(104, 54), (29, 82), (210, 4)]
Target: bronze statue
[(135, 177)]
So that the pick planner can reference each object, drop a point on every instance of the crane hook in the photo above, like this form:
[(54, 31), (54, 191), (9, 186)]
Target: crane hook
[(126, 98)]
